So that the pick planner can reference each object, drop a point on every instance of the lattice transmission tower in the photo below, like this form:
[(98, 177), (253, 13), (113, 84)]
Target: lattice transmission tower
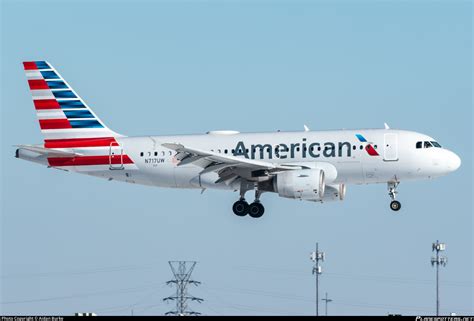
[(182, 278)]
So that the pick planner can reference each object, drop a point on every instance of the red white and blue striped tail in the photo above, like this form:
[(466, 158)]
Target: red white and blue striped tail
[(63, 115)]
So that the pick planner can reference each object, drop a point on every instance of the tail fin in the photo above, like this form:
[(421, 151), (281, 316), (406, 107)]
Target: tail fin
[(62, 114)]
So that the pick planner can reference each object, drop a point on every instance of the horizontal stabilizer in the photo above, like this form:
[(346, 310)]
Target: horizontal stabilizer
[(48, 151)]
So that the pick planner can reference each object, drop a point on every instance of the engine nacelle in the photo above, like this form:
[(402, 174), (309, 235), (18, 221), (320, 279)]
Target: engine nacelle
[(334, 192), (304, 184)]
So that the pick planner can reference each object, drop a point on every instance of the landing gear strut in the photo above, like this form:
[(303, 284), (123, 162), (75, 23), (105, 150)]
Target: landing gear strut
[(256, 209), (392, 192), (242, 208)]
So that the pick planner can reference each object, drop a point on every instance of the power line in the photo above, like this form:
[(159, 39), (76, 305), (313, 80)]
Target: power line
[(378, 278), (339, 302), (83, 295), (92, 270), (182, 278), (134, 306)]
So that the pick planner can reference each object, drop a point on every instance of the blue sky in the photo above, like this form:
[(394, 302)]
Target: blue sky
[(73, 243)]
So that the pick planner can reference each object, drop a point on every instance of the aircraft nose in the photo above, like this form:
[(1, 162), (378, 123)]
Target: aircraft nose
[(453, 161)]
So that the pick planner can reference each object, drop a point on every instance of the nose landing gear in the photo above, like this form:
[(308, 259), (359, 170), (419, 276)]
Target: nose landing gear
[(392, 192)]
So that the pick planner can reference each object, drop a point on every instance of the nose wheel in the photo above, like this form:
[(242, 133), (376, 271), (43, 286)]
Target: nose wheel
[(392, 192), (395, 205)]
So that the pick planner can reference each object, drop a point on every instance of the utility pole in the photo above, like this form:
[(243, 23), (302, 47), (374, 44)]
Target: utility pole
[(316, 257), (182, 278), (438, 260), (326, 301)]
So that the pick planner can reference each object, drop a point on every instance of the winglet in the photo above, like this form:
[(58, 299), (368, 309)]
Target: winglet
[(306, 129), (386, 126)]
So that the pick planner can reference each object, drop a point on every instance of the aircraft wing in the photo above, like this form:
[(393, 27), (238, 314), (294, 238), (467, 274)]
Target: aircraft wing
[(228, 167)]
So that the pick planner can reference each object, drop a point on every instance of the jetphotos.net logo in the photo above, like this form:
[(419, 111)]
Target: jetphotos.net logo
[(369, 148), (444, 318), (304, 149)]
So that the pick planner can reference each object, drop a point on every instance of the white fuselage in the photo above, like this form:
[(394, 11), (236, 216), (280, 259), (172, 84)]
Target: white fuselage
[(398, 158)]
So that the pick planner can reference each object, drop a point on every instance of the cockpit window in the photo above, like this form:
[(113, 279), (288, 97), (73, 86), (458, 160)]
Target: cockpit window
[(428, 145)]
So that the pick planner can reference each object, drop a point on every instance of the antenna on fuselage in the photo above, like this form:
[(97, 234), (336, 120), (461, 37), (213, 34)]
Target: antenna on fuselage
[(306, 129), (386, 126)]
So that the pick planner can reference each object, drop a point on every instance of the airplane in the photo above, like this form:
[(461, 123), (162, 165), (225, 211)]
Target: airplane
[(303, 165)]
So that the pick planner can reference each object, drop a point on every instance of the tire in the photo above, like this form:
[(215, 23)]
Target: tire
[(256, 210), (240, 208), (395, 206)]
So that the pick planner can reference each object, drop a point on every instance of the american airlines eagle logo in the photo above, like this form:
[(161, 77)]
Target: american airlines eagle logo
[(368, 148)]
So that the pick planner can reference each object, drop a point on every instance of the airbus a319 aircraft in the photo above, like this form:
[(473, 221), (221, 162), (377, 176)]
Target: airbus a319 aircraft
[(306, 165)]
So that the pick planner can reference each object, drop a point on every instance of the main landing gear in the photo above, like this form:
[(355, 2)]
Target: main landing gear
[(242, 208), (392, 192)]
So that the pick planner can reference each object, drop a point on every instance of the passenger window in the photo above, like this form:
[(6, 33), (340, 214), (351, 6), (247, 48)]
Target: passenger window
[(428, 145), (354, 147), (156, 153), (361, 147), (225, 151), (163, 153), (419, 144), (141, 154)]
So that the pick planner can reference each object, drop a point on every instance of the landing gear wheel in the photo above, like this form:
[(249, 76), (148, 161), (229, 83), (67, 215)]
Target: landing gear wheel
[(395, 205), (241, 208), (256, 210)]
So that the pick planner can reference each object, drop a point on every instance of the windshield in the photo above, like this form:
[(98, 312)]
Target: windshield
[(436, 144)]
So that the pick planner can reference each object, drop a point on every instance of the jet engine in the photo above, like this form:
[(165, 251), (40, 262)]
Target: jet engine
[(303, 184), (334, 192)]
